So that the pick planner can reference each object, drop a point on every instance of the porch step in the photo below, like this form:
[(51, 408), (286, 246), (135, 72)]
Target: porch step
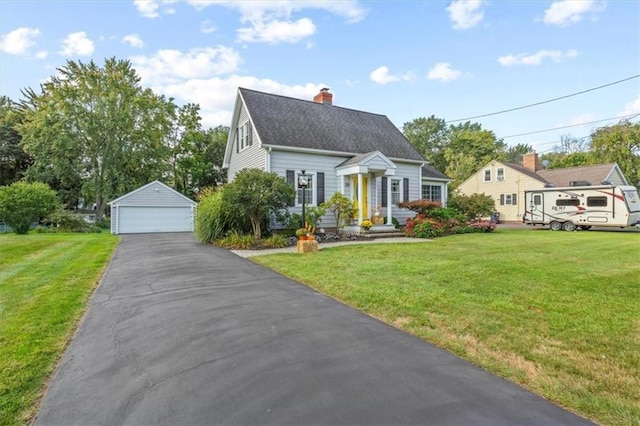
[(382, 234)]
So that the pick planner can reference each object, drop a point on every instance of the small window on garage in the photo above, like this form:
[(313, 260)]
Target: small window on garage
[(597, 201)]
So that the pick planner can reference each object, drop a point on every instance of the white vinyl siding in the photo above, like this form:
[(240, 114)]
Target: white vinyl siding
[(152, 208), (245, 157)]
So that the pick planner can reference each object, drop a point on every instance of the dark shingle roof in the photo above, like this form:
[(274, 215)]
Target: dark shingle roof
[(563, 177), (429, 171), (526, 171), (295, 123)]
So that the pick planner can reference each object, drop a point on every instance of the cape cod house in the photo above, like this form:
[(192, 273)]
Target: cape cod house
[(507, 182), (360, 154)]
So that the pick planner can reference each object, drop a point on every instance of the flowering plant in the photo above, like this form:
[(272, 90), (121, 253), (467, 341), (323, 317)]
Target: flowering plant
[(366, 224)]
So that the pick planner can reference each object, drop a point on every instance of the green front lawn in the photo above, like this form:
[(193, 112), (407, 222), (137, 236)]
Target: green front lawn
[(557, 312), (45, 281)]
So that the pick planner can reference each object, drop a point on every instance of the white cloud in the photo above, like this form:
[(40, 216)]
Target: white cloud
[(216, 110), (18, 41), (77, 44), (381, 75), (41, 54), (169, 66), (536, 58), (206, 27), (443, 71), (133, 40), (566, 12), (631, 108), (267, 21), (465, 14), (277, 31)]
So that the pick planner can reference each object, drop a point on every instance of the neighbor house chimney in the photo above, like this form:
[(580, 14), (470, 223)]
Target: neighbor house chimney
[(324, 97), (530, 161)]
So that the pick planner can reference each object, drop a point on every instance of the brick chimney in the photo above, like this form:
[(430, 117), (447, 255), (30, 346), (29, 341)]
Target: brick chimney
[(530, 161), (324, 97)]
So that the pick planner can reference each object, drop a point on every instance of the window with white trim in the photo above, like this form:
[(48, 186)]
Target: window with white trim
[(487, 175), (432, 193), (395, 191), (308, 195), (500, 174), (244, 136), (508, 199)]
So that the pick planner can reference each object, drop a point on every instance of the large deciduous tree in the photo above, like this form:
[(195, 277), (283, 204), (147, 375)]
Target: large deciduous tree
[(96, 127), (13, 160), (470, 148), (430, 136), (619, 143)]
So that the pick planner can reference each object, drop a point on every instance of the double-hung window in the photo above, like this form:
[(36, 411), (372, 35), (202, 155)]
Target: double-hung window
[(487, 175), (395, 191), (308, 194), (432, 193)]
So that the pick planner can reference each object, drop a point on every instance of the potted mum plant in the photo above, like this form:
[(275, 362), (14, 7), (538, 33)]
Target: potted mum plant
[(366, 224)]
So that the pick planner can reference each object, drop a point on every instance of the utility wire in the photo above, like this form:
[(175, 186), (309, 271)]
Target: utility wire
[(571, 125), (545, 102)]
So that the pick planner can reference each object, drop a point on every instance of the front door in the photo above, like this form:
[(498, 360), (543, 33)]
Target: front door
[(365, 195)]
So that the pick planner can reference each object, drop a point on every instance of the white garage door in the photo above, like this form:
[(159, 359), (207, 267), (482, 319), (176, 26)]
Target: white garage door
[(136, 220)]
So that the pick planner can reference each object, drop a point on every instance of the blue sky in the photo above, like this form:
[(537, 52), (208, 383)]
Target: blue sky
[(403, 59)]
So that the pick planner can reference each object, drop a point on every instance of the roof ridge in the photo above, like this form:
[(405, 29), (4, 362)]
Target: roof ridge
[(312, 102)]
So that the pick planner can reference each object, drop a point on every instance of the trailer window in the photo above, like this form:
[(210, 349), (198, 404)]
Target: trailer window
[(567, 202), (537, 200), (597, 201)]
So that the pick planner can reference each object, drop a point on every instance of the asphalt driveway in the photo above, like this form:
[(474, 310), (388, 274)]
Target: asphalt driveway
[(180, 333)]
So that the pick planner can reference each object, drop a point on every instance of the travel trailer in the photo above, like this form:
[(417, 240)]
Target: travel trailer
[(582, 207)]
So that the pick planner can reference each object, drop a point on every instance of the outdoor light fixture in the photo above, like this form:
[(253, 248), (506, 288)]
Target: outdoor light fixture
[(303, 182)]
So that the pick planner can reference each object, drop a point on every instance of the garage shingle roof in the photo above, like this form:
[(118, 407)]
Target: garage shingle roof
[(296, 123)]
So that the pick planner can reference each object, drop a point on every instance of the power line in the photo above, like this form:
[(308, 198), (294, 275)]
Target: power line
[(570, 125), (545, 102)]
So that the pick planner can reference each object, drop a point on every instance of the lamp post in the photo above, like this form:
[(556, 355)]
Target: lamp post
[(303, 183)]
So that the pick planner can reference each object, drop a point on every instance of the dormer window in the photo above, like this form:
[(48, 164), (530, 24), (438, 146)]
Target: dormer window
[(244, 136)]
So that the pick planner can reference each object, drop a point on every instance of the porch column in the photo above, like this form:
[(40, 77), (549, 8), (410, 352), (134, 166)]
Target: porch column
[(389, 204), (342, 184), (360, 197)]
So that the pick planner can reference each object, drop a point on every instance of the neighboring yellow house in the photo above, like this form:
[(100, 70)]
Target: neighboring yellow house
[(506, 182)]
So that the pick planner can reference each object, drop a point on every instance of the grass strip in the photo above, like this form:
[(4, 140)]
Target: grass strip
[(45, 282)]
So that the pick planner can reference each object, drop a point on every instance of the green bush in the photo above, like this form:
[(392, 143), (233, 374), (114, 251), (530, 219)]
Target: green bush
[(444, 214), (236, 241), (66, 221), (428, 229), (215, 216), (473, 206), (275, 241), (22, 204)]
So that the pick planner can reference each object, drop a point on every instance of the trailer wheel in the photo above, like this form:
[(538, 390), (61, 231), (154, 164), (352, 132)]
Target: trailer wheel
[(555, 226), (585, 227), (568, 226)]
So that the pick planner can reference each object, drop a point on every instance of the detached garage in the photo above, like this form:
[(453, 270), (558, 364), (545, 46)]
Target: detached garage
[(152, 208)]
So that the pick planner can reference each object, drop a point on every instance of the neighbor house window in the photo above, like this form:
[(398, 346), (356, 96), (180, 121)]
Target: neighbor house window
[(508, 199), (432, 193), (487, 175), (500, 174), (395, 191)]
